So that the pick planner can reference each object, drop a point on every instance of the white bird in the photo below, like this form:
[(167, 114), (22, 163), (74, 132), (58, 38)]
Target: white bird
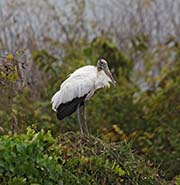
[(78, 88)]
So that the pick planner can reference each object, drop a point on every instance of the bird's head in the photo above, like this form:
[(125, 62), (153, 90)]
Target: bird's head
[(103, 65)]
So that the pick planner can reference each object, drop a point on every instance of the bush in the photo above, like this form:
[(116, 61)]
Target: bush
[(36, 157), (29, 158), (159, 141)]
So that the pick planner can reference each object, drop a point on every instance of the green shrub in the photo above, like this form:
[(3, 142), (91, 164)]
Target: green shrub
[(178, 180), (38, 158), (159, 141), (30, 158), (95, 162)]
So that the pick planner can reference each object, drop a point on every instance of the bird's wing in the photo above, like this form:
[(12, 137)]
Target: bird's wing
[(79, 83)]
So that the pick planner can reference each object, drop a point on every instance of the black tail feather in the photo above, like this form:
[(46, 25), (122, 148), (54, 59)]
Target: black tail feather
[(70, 107)]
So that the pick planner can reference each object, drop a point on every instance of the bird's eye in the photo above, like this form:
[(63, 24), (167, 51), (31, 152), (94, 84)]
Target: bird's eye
[(101, 62)]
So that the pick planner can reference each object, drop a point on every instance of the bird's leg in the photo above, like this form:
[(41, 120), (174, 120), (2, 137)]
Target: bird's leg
[(85, 119), (79, 120)]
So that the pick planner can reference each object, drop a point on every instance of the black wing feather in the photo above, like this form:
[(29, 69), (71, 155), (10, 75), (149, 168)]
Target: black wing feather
[(66, 109)]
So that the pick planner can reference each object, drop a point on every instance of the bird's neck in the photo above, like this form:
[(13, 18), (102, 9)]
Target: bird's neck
[(98, 69)]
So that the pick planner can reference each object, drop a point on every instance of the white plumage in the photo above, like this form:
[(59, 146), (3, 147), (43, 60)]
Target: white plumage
[(85, 80), (80, 86)]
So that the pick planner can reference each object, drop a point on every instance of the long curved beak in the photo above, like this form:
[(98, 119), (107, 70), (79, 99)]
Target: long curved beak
[(108, 73)]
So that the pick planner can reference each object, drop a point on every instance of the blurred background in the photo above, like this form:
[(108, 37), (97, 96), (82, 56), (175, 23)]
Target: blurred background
[(41, 42)]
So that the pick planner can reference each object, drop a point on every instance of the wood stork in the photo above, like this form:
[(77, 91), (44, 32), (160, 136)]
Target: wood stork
[(78, 88)]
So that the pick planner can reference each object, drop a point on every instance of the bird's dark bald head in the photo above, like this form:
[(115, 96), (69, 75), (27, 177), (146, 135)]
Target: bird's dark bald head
[(102, 64)]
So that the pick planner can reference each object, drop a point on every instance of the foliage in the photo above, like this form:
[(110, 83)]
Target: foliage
[(101, 163), (177, 180), (38, 158), (161, 112), (30, 158), (102, 47)]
